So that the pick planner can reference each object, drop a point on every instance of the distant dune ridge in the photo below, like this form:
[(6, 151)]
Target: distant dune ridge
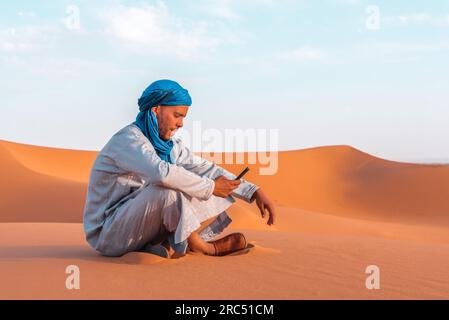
[(337, 180), (338, 210)]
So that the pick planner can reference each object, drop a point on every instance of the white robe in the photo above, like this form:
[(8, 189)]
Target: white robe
[(135, 198)]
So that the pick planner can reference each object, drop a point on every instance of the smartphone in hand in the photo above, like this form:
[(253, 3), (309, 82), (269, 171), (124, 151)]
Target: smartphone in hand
[(240, 176)]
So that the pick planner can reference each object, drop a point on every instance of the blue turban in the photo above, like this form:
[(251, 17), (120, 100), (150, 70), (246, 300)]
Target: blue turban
[(159, 93)]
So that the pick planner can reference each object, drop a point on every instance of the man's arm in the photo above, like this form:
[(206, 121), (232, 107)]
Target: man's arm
[(206, 168), (247, 191), (133, 154)]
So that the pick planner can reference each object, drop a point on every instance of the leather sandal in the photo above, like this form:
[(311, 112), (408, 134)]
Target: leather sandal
[(229, 244)]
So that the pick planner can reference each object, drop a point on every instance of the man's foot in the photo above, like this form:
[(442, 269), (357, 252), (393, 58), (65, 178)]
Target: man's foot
[(197, 244), (231, 243), (208, 250), (172, 253), (157, 249)]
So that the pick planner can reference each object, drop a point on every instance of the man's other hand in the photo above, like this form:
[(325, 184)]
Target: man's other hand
[(264, 205)]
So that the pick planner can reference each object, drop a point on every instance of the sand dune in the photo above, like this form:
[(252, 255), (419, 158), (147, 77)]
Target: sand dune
[(61, 163), (337, 180), (343, 181), (339, 210), (30, 196)]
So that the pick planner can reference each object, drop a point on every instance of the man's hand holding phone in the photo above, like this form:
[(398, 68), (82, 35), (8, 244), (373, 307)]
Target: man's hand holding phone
[(224, 186)]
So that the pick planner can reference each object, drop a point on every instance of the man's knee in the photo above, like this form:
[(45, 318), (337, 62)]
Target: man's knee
[(166, 201), (159, 192)]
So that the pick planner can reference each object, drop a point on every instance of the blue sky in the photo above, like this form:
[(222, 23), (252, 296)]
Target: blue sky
[(321, 72)]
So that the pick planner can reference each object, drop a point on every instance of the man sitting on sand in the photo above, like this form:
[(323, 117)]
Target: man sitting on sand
[(148, 192)]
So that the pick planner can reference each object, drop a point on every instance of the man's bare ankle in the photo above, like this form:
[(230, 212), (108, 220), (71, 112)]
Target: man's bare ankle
[(209, 250), (176, 255)]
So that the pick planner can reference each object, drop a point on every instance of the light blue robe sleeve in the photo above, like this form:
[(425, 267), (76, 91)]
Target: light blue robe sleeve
[(132, 153), (206, 168)]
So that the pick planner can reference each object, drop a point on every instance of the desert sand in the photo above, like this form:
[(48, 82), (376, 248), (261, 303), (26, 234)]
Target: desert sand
[(339, 210)]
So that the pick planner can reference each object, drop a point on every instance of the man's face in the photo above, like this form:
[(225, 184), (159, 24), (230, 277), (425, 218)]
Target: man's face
[(169, 119)]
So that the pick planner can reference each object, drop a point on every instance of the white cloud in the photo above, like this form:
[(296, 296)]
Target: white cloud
[(392, 52), (398, 52), (42, 50), (229, 9), (411, 47), (153, 29), (303, 55), (421, 18), (23, 39), (26, 14), (347, 2), (220, 9), (415, 18)]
